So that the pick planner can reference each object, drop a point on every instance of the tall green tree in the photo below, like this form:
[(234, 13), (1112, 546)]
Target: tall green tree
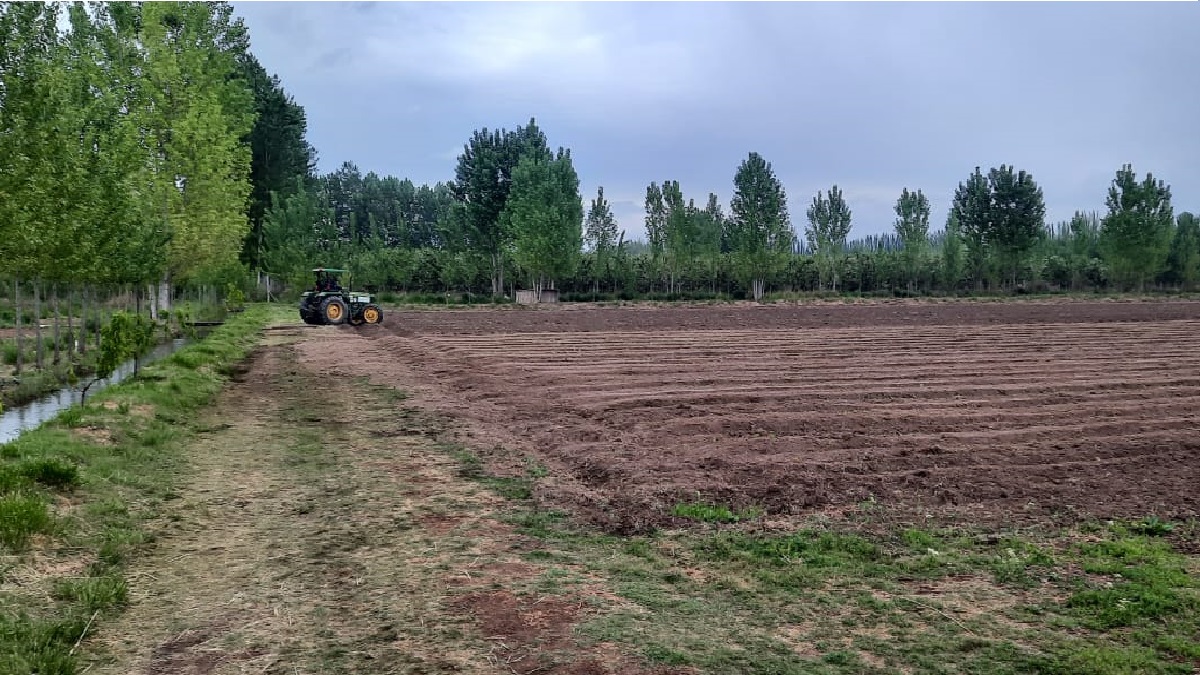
[(544, 216), (709, 231), (656, 225), (761, 230), (198, 114), (1084, 244), (1135, 235), (601, 236), (1184, 260), (912, 226), (1017, 216), (32, 93), (972, 210), (299, 233), (279, 149), (482, 180), (679, 233), (952, 253), (828, 228)]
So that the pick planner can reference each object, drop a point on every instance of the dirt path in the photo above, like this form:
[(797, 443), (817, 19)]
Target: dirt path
[(323, 530)]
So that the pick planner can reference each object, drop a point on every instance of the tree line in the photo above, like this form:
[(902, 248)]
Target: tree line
[(140, 146), (513, 212), (145, 145)]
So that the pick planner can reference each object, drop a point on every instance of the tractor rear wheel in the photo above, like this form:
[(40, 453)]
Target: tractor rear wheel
[(372, 314), (333, 311)]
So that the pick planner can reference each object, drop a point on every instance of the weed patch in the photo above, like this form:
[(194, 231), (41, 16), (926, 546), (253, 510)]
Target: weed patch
[(714, 513), (49, 471), (22, 516)]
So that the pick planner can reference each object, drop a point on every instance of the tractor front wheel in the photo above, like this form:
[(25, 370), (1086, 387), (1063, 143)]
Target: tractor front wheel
[(372, 314), (333, 311)]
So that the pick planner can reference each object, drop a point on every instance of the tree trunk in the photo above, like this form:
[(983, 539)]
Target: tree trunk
[(57, 336), (70, 323), (38, 347), (756, 289), (99, 313), (497, 275), (82, 340), (17, 327), (164, 295)]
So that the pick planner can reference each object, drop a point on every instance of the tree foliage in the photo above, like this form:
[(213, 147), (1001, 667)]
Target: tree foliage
[(1135, 236), (601, 236), (1002, 217), (828, 227), (1017, 216), (123, 151), (279, 150), (1184, 260), (972, 212), (760, 229), (144, 142), (543, 217), (912, 226), (482, 180)]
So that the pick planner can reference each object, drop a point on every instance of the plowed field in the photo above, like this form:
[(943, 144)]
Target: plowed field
[(979, 412)]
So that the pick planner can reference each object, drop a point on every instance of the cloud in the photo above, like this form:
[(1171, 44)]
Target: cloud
[(871, 97)]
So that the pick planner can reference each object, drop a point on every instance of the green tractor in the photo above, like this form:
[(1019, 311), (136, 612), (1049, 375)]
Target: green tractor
[(328, 304)]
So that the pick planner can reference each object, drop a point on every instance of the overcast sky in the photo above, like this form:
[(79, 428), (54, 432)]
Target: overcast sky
[(872, 97)]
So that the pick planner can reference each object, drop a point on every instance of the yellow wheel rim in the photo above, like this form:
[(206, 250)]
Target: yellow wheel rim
[(334, 312), (371, 315)]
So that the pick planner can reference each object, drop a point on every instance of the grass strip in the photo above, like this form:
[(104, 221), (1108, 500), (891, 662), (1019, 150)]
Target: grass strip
[(77, 493)]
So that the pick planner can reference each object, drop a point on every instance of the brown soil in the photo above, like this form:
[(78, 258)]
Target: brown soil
[(975, 411), (306, 538)]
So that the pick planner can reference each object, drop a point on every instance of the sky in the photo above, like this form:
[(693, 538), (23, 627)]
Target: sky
[(871, 97)]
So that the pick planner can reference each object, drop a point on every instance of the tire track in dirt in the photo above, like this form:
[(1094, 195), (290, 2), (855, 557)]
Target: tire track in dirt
[(1080, 408), (321, 530)]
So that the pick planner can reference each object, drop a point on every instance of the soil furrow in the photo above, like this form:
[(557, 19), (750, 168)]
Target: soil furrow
[(780, 405)]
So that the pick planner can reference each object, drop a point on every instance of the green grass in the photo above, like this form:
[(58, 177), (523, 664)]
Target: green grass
[(830, 599), (22, 516), (114, 481), (714, 513)]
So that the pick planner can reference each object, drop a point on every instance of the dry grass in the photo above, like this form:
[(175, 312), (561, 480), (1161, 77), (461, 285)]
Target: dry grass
[(308, 540)]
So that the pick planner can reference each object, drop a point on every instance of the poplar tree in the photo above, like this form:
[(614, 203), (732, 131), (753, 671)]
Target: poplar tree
[(656, 226), (1185, 250), (197, 114), (601, 236), (1017, 216), (952, 258), (972, 212), (760, 230), (912, 226), (828, 228), (1135, 235), (544, 218), (482, 180)]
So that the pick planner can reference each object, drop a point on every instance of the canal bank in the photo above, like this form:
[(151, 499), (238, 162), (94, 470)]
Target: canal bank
[(78, 492), (30, 414)]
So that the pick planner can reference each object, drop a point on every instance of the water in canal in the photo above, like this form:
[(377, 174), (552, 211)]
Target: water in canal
[(31, 415)]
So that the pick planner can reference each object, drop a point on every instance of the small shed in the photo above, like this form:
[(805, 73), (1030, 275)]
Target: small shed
[(531, 297)]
